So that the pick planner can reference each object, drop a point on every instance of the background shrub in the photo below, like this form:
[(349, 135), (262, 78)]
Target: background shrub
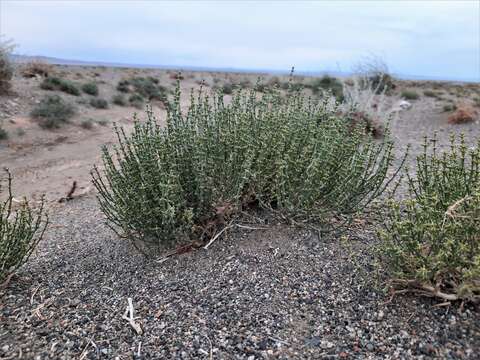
[(327, 83), (55, 83), (99, 103), (136, 100), (53, 111), (293, 156), (3, 133), (410, 95), (148, 88), (90, 88), (119, 99), (36, 68), (123, 86), (6, 67), (20, 232), (431, 241)]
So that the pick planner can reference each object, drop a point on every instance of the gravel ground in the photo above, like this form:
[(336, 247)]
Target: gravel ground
[(264, 294)]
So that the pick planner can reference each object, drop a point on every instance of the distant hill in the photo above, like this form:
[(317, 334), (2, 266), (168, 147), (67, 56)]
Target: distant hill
[(58, 61)]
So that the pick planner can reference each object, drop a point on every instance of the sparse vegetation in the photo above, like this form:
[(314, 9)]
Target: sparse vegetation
[(56, 83), (463, 114), (90, 88), (430, 93), (410, 95), (294, 157), (53, 111), (431, 241), (99, 103), (20, 232), (148, 88), (375, 70)]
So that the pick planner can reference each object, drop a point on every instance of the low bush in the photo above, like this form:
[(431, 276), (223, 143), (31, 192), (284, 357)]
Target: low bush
[(55, 83), (327, 83), (227, 88), (53, 111), (123, 86), (6, 67), (99, 103), (462, 115), (431, 242), (291, 155), (119, 99), (20, 232), (87, 124), (36, 68), (410, 95), (136, 100), (3, 133), (448, 107), (149, 88), (90, 88)]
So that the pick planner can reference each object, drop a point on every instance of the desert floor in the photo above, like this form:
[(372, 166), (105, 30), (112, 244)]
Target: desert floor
[(279, 292)]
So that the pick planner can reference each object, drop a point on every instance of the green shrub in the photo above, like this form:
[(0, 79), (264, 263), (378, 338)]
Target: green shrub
[(327, 83), (431, 241), (3, 134), (136, 101), (123, 86), (20, 232), (227, 88), (52, 112), (55, 83), (410, 95), (119, 99), (6, 67), (148, 88), (90, 88), (99, 103), (87, 124), (430, 93), (448, 108), (290, 155)]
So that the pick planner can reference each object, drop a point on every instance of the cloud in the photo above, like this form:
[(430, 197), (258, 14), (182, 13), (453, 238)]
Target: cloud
[(436, 38)]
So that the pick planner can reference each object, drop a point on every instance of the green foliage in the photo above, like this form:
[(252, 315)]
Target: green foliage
[(53, 111), (448, 107), (123, 86), (99, 103), (20, 232), (227, 88), (55, 83), (6, 67), (430, 93), (119, 99), (327, 83), (87, 124), (3, 133), (410, 95), (291, 155), (136, 100), (90, 88), (431, 241), (148, 88)]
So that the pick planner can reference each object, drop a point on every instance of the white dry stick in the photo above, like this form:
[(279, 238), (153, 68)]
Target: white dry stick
[(216, 236), (129, 316)]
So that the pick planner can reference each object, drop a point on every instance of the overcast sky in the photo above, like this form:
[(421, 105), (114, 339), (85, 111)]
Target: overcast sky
[(429, 38)]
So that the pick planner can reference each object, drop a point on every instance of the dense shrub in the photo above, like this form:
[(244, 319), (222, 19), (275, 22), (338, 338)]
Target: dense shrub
[(87, 124), (430, 93), (227, 88), (99, 103), (290, 155), (20, 232), (53, 111), (55, 83), (119, 99), (448, 107), (6, 67), (148, 88), (431, 241), (410, 95), (90, 88)]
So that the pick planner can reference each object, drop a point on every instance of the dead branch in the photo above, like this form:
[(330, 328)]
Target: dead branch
[(129, 316)]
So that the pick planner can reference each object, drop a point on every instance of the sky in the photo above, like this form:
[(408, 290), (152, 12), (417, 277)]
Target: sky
[(436, 39)]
